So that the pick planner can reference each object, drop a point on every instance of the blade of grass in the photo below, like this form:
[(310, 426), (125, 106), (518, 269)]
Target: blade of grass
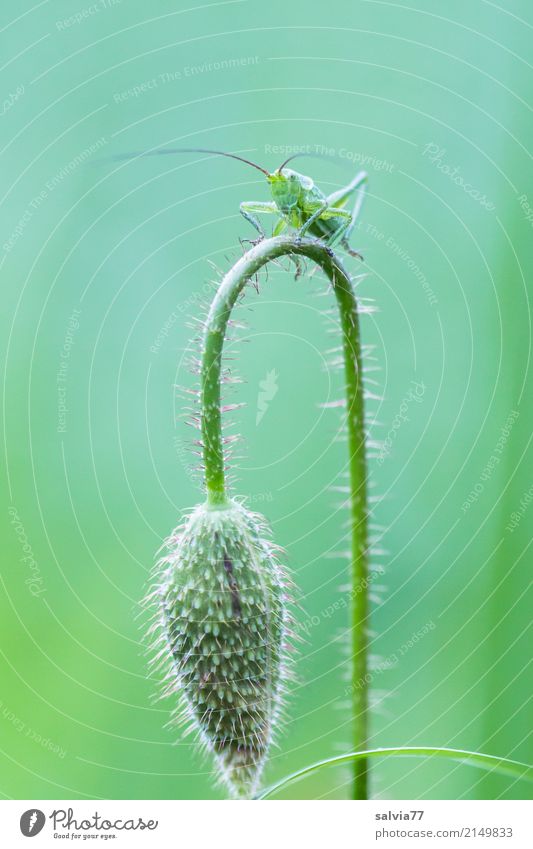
[(504, 766)]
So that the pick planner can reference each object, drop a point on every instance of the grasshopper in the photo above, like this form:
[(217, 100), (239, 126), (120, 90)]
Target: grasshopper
[(298, 202)]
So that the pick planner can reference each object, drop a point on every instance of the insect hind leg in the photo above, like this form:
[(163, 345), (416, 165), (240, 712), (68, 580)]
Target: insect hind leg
[(349, 250), (341, 235), (253, 221), (359, 197), (247, 208)]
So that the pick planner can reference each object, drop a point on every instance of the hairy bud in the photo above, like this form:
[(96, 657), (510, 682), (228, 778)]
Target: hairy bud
[(222, 619)]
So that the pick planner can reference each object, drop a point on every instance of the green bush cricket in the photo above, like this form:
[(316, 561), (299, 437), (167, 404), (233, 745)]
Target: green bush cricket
[(298, 202)]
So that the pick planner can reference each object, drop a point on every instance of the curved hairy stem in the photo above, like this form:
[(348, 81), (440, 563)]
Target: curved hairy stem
[(503, 766), (215, 331)]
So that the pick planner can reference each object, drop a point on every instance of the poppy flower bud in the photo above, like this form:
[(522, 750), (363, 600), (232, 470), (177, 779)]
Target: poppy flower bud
[(223, 620)]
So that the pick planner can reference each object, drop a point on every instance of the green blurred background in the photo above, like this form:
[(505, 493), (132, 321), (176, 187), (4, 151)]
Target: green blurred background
[(104, 264)]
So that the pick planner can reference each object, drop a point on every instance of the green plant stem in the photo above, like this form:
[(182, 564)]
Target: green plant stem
[(504, 766), (213, 450)]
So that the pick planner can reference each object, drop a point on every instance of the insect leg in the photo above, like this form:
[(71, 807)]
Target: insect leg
[(329, 212), (346, 245), (280, 227), (345, 241), (247, 208), (341, 235), (340, 197), (325, 212), (310, 221), (356, 210), (337, 234)]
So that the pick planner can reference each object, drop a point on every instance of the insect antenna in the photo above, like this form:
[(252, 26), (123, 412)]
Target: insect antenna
[(172, 150), (298, 155)]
